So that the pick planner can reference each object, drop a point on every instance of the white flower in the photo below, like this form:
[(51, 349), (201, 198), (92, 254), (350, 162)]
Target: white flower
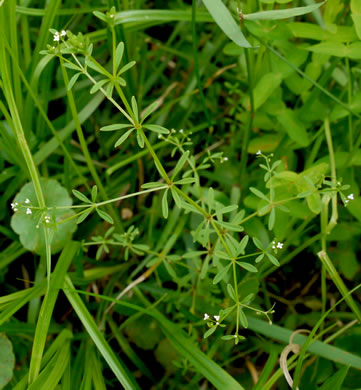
[(28, 211), (216, 318), (226, 159), (56, 37), (63, 33), (15, 209), (259, 152), (13, 206), (277, 245), (235, 336), (206, 316), (27, 201), (181, 130), (112, 16), (350, 197), (47, 219)]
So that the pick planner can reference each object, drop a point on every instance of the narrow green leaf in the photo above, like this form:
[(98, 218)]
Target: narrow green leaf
[(186, 180), (222, 273), (176, 198), (118, 126), (242, 245), (231, 292), (273, 259), (119, 55), (126, 67), (210, 198), (155, 184), (247, 266), (94, 193), (84, 215), (149, 110), (165, 204), (209, 332), (225, 21), (123, 137), (100, 15), (257, 243), (157, 129), (191, 255), (72, 66), (81, 196), (223, 255), (227, 209), (228, 337), (102, 214), (283, 13), (272, 219), (259, 193), (97, 86), (73, 80), (140, 139), (135, 108), (243, 318), (180, 164), (230, 226)]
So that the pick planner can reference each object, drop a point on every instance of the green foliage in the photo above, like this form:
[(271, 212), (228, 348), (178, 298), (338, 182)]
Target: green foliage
[(214, 176), (7, 361), (57, 217)]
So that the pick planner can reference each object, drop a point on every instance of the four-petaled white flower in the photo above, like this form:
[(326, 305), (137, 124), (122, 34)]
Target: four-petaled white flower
[(226, 159), (259, 152), (350, 197), (279, 245), (28, 211), (206, 316), (27, 201), (181, 130), (63, 33), (56, 37), (216, 318)]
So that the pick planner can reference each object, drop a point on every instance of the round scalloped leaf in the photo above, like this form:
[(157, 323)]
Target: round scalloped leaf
[(25, 225), (7, 361)]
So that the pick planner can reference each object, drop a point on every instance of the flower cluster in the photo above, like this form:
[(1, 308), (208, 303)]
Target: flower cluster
[(47, 219), (207, 317), (57, 36), (349, 197), (278, 245), (15, 206)]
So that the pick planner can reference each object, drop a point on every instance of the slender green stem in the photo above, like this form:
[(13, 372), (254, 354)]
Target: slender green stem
[(84, 145), (155, 158), (333, 221), (248, 129), (196, 62)]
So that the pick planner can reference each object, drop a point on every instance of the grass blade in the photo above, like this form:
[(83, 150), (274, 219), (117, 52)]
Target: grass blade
[(225, 21), (118, 368)]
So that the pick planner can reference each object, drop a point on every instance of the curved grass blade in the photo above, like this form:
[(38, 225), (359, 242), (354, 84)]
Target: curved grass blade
[(283, 13), (225, 21), (118, 368), (47, 308)]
